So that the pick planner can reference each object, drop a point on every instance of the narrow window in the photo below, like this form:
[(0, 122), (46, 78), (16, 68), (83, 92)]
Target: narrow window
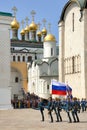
[(16, 79), (29, 58), (51, 51), (73, 22), (73, 64), (23, 58), (13, 58), (18, 58)]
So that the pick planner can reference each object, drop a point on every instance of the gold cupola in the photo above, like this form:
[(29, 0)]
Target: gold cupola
[(15, 24), (50, 38), (33, 26), (39, 33), (27, 27), (22, 32), (44, 31)]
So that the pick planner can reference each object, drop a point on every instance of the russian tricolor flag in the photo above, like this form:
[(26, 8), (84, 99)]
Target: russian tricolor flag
[(59, 88)]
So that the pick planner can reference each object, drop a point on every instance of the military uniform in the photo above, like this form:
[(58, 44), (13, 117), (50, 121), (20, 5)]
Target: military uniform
[(69, 109), (50, 108), (41, 108), (75, 107)]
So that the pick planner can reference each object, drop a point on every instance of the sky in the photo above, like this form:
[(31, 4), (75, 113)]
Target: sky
[(48, 9)]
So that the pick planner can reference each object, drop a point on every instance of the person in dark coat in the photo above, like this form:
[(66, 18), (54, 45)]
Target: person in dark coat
[(75, 108), (68, 109), (41, 108), (50, 108)]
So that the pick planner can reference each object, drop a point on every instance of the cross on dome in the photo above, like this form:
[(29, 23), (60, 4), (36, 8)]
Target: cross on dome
[(49, 27), (14, 9), (26, 19), (22, 23), (39, 26), (44, 22), (33, 14)]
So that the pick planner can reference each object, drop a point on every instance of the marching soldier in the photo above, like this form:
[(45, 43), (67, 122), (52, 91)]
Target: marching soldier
[(55, 109), (50, 108), (75, 108), (69, 109), (41, 108), (59, 108)]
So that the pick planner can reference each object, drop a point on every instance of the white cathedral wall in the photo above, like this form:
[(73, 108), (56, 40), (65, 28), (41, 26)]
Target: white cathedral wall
[(47, 49), (85, 49), (74, 42), (5, 89)]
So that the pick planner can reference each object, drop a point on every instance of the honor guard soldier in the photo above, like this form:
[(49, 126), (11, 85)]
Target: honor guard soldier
[(41, 108), (50, 108), (75, 108), (69, 109), (59, 108)]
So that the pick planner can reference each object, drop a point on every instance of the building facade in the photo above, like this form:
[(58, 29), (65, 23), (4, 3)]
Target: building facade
[(73, 46)]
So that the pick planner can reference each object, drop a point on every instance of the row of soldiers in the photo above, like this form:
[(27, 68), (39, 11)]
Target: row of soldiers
[(71, 106)]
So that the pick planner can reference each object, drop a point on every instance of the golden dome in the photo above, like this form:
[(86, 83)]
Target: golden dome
[(27, 29), (44, 31), (33, 26), (50, 37), (39, 33), (15, 24), (22, 32)]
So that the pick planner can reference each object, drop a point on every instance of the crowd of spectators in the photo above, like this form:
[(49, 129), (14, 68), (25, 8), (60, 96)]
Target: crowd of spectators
[(28, 101)]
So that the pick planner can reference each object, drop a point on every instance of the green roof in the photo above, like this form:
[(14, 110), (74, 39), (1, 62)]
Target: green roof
[(5, 14)]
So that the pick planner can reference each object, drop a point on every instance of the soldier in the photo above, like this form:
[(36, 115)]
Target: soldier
[(55, 109), (68, 109), (59, 108), (75, 108), (50, 108), (41, 108)]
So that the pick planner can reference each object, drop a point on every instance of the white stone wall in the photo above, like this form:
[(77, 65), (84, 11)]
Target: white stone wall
[(74, 44), (47, 49), (5, 100)]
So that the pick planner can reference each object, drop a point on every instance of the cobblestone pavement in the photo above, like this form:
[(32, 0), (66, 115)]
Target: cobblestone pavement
[(29, 119)]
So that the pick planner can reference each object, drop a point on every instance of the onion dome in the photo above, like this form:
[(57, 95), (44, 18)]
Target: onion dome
[(33, 27), (15, 24), (44, 31), (39, 33), (27, 29), (22, 32), (50, 38)]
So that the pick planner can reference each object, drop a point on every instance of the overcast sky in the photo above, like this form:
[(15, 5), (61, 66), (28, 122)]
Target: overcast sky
[(48, 9)]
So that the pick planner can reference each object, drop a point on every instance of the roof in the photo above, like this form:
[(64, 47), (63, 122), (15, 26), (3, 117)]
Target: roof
[(81, 3), (5, 14), (29, 44), (50, 60)]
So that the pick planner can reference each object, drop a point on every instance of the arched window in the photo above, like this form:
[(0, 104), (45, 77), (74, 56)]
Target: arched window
[(23, 58), (16, 79), (13, 58), (29, 58), (18, 58)]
